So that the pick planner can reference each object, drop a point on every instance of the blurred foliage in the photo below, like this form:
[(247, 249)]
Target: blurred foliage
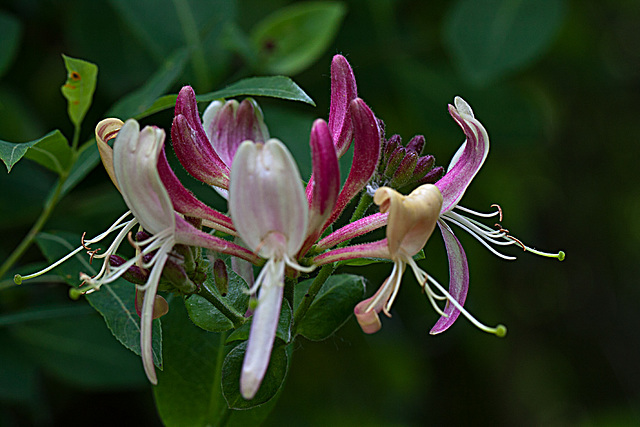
[(554, 82)]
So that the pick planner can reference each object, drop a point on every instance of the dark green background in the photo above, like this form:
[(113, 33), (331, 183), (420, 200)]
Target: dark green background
[(563, 165)]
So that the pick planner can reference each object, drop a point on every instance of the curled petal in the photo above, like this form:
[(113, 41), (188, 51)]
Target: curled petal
[(263, 328), (365, 156), (366, 311), (458, 278), (267, 199), (343, 91), (412, 218), (192, 147), (105, 130), (468, 159), (135, 156)]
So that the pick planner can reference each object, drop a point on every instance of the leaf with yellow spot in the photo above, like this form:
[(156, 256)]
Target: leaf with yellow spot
[(79, 87)]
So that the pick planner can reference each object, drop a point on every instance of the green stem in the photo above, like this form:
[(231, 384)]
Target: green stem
[(219, 414), (363, 205), (236, 318), (190, 31), (321, 278), (35, 229)]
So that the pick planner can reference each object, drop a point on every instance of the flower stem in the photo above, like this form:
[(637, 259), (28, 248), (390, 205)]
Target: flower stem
[(236, 318), (363, 205), (321, 278)]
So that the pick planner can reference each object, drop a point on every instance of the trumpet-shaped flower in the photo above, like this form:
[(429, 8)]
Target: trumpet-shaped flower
[(411, 220), (270, 212)]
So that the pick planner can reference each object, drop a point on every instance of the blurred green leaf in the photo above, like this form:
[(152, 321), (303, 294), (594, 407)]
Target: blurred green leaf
[(206, 315), (283, 331), (115, 301), (292, 38), (81, 82), (140, 100), (10, 31), (271, 384), (332, 307), (80, 351), (489, 38), (18, 379), (51, 151)]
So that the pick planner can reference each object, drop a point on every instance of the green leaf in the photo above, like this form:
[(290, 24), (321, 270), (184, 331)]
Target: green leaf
[(10, 32), (79, 87), (189, 391), (115, 301), (80, 351), (292, 38), (271, 384), (140, 100), (272, 86), (283, 331), (206, 315), (51, 151), (332, 307), (489, 38)]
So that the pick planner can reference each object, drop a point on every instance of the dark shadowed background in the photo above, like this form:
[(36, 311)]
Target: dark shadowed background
[(556, 85)]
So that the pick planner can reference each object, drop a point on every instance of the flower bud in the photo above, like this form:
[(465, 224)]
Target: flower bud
[(221, 277), (394, 161), (405, 170), (134, 274), (416, 144)]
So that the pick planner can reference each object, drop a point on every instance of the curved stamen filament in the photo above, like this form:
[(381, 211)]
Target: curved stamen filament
[(422, 277), (499, 330), (481, 237), (482, 214)]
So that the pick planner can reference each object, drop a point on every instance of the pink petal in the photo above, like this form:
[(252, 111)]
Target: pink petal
[(365, 156), (354, 229), (469, 158), (343, 91), (327, 172), (458, 278), (377, 249), (191, 145)]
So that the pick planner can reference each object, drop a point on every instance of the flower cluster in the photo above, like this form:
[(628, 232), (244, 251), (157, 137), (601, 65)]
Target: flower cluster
[(275, 220)]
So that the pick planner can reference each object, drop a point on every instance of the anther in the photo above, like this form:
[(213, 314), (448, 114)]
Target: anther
[(524, 248), (497, 206), (84, 245)]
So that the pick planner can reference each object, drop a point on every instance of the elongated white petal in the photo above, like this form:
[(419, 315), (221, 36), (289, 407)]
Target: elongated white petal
[(267, 199), (263, 329), (135, 156)]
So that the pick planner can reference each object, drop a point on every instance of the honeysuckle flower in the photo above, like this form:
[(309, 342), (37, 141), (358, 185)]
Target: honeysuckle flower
[(136, 156), (410, 221), (270, 212)]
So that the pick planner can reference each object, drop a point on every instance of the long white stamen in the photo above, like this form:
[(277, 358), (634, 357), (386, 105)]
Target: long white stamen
[(482, 214), (115, 226), (391, 281), (396, 287), (421, 277), (499, 330), (477, 237)]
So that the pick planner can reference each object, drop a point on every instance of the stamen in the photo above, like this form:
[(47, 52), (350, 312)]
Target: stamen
[(391, 281), (83, 243), (499, 210), (481, 238), (499, 330), (396, 288), (421, 277)]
